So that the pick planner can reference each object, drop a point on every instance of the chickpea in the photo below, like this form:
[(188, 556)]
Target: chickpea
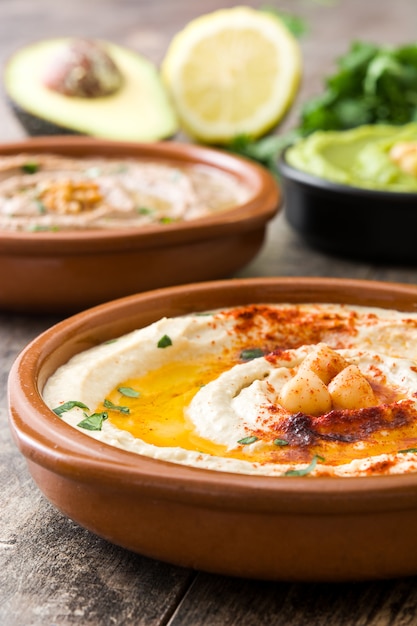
[(305, 393), (350, 390), (324, 362)]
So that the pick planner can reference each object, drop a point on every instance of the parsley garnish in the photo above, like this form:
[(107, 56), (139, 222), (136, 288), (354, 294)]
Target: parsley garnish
[(247, 440), (30, 168), (164, 342), (280, 442), (407, 450), (305, 470), (114, 407), (67, 406), (143, 210), (40, 206), (251, 353), (129, 392), (93, 421)]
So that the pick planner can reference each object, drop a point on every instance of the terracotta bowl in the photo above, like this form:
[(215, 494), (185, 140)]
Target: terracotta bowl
[(69, 271), (302, 529), (355, 223)]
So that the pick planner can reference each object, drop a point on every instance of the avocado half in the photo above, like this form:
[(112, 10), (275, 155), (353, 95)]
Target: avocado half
[(139, 110)]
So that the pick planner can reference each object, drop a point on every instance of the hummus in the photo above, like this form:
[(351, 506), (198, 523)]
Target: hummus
[(48, 192), (380, 157), (278, 390)]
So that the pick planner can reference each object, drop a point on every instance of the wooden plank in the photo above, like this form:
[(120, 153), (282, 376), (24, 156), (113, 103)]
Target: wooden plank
[(220, 601)]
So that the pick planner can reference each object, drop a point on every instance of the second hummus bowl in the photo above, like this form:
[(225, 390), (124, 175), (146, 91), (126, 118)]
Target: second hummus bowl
[(65, 271), (278, 528)]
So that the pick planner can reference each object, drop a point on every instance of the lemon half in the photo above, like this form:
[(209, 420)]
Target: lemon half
[(234, 71)]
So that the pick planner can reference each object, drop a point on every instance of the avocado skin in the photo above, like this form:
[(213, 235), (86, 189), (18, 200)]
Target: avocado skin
[(36, 126)]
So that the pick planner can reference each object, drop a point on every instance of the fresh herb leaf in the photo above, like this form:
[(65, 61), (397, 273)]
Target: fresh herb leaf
[(30, 168), (305, 470), (265, 151), (166, 220), (41, 207), (143, 210), (247, 440), (371, 85), (129, 392), (114, 407), (93, 421), (407, 450), (280, 442), (67, 406), (164, 342), (295, 24), (251, 353), (39, 228)]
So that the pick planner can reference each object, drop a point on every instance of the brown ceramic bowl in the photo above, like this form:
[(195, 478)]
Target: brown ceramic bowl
[(304, 529), (68, 271)]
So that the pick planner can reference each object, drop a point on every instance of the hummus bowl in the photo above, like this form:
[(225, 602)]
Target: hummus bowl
[(295, 528), (350, 221), (53, 269)]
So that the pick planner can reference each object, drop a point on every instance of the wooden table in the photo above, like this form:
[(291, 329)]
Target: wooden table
[(52, 572)]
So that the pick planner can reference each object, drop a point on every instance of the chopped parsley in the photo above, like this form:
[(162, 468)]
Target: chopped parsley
[(305, 470), (164, 342), (41, 207), (39, 228), (93, 421), (143, 210), (115, 407), (128, 392), (248, 440), (280, 442), (407, 450), (67, 406), (251, 353), (31, 167)]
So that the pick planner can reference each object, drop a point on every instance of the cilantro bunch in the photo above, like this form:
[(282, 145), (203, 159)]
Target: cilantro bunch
[(372, 85)]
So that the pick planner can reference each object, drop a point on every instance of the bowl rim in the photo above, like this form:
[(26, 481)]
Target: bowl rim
[(260, 207), (292, 173), (70, 453)]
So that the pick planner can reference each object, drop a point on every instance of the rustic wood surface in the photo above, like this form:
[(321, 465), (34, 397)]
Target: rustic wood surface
[(52, 572)]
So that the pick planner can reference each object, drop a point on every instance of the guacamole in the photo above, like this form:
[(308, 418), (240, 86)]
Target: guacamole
[(374, 156)]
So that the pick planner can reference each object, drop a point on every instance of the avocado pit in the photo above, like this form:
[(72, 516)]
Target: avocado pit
[(82, 68)]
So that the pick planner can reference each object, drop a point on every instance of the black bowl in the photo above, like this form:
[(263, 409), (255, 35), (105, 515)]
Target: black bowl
[(356, 223)]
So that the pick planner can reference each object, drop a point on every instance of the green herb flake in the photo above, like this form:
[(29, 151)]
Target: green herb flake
[(31, 167), (114, 407), (39, 228), (305, 470), (41, 207), (93, 421), (280, 442), (248, 440), (251, 353), (166, 220), (143, 210), (164, 342), (128, 392), (295, 24), (407, 450), (67, 406)]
